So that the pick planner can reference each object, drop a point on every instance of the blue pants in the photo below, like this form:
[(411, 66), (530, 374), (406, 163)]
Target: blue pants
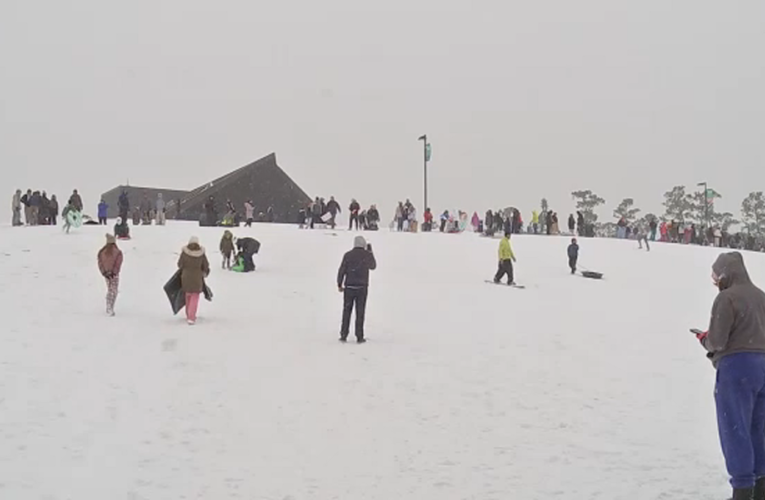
[(740, 400)]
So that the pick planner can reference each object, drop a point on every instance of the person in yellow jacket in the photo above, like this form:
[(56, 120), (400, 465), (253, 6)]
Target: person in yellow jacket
[(506, 259), (535, 221)]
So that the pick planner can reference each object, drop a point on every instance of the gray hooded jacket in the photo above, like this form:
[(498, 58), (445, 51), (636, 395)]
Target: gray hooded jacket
[(738, 314)]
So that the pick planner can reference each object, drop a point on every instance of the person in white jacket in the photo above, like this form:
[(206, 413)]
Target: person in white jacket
[(249, 212)]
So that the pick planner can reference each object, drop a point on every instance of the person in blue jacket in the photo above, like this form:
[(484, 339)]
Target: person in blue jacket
[(103, 210), (573, 255)]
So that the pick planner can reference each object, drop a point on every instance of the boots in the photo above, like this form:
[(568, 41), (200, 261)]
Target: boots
[(759, 489), (743, 494)]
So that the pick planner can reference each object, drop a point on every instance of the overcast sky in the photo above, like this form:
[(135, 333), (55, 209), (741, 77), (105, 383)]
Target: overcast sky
[(520, 99)]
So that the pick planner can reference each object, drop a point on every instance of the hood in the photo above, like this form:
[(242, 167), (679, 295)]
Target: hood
[(730, 270), (359, 242), (194, 250)]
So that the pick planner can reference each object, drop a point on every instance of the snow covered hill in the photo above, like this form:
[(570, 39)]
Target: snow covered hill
[(570, 389)]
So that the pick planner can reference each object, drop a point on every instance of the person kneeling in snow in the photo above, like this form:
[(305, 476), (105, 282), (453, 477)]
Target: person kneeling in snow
[(110, 265), (735, 343), (247, 248)]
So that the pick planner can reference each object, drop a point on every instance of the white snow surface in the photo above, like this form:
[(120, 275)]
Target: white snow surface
[(570, 389)]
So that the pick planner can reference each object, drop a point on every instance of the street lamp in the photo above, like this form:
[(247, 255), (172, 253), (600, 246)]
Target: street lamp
[(426, 158), (706, 202)]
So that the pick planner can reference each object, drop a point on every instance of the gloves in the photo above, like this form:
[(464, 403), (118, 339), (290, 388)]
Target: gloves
[(340, 289)]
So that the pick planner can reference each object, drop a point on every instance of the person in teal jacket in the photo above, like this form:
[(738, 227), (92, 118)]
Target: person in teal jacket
[(506, 259)]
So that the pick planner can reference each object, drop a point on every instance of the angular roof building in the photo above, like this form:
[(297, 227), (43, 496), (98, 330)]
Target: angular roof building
[(262, 181), (136, 194)]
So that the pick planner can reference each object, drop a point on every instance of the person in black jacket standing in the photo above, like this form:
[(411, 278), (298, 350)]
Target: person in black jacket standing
[(573, 255), (353, 282)]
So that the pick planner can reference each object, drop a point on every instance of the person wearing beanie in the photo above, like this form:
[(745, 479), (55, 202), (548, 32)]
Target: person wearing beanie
[(353, 283), (506, 259), (227, 248), (110, 265), (194, 268)]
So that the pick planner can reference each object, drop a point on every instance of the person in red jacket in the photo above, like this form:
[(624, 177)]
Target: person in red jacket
[(427, 223), (110, 265)]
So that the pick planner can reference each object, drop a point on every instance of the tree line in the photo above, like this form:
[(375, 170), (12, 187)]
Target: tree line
[(679, 206)]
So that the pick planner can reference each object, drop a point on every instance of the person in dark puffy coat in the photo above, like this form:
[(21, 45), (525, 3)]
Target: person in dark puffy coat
[(353, 283), (573, 255)]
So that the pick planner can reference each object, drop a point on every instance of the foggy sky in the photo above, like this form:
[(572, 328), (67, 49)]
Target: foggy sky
[(520, 99)]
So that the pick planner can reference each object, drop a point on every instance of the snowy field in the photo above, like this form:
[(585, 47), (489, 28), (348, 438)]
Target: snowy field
[(571, 388)]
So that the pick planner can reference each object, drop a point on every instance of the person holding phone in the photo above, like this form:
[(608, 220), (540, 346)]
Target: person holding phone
[(735, 343), (353, 283)]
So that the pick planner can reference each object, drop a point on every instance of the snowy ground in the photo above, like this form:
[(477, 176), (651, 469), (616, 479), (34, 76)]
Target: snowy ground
[(570, 389)]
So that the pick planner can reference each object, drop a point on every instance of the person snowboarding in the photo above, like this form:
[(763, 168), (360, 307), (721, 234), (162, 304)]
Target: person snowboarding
[(506, 259), (103, 210), (194, 268), (573, 255), (735, 343), (642, 237), (227, 248), (110, 265), (353, 283)]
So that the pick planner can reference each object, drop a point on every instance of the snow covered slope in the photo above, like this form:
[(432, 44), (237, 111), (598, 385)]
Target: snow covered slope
[(570, 389)]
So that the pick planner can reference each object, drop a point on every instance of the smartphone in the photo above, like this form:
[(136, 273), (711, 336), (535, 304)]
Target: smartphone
[(696, 331)]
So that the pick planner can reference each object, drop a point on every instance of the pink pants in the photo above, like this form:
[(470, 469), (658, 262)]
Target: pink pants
[(192, 304)]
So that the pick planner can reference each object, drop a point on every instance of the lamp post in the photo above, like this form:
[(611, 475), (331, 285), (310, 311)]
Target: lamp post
[(706, 202), (425, 158)]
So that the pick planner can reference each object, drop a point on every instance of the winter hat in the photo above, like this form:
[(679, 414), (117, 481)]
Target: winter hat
[(110, 239), (359, 242), (193, 240)]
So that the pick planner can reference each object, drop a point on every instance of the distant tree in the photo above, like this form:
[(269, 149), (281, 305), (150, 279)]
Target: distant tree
[(676, 204), (645, 220), (625, 210), (545, 205), (753, 213), (587, 202), (725, 219)]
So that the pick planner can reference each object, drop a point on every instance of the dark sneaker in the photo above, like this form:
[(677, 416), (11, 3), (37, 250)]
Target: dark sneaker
[(759, 489), (343, 339), (743, 494), (361, 341)]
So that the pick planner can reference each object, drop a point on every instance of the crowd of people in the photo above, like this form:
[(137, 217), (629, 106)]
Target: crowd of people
[(322, 213)]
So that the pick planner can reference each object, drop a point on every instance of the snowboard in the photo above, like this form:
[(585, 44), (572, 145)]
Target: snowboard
[(520, 287)]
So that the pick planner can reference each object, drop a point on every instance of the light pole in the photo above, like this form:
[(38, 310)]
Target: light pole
[(426, 158), (706, 202)]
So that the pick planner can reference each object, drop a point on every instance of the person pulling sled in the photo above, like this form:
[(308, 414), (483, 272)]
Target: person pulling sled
[(573, 255)]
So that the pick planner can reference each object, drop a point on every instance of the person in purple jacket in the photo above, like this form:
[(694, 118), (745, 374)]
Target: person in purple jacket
[(103, 211)]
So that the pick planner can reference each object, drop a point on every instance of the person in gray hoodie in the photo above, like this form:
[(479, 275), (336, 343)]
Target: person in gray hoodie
[(735, 343)]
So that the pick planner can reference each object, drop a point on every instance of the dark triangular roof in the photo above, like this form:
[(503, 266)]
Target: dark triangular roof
[(262, 181), (135, 195)]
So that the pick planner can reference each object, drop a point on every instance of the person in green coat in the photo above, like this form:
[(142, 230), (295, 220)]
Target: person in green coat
[(506, 259)]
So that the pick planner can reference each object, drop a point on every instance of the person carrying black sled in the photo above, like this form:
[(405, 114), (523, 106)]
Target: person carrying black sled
[(573, 255), (353, 283), (506, 259), (735, 343), (247, 248)]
